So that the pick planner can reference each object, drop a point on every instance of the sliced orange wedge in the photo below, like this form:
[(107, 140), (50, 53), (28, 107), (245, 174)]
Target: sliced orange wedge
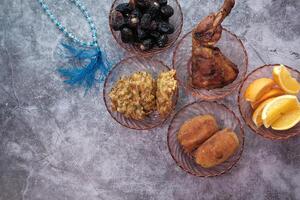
[(258, 88), (287, 121), (283, 78), (275, 92), (256, 117), (278, 107)]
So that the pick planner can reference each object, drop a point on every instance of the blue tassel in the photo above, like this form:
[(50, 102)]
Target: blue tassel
[(84, 75)]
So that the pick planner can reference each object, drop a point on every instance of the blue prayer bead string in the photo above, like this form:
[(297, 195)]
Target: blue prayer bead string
[(69, 34)]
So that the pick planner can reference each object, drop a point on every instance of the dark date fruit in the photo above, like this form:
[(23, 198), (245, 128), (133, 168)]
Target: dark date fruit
[(146, 45), (165, 27), (124, 8), (153, 26), (155, 4), (141, 34), (146, 21), (155, 35), (133, 22), (126, 22), (127, 35), (154, 9), (166, 11), (143, 4), (160, 18), (118, 21), (136, 13), (162, 41), (163, 2)]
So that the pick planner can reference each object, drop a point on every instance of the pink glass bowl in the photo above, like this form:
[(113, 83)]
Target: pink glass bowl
[(230, 45), (247, 111), (127, 67), (225, 118), (176, 20)]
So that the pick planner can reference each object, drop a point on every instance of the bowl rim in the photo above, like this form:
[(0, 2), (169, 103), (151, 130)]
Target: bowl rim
[(154, 60), (241, 145), (240, 99), (226, 93), (146, 53)]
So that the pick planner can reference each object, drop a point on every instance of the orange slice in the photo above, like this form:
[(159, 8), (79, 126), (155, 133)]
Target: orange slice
[(275, 92), (256, 117), (287, 121), (284, 79), (258, 88), (278, 107)]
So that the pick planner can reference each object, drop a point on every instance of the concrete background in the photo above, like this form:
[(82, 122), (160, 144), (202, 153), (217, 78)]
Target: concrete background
[(61, 145)]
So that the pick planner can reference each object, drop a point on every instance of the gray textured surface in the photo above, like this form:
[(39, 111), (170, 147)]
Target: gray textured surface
[(56, 144)]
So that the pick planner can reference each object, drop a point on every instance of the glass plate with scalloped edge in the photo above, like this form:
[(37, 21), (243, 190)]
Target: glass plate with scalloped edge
[(225, 119), (230, 45), (247, 112), (127, 67)]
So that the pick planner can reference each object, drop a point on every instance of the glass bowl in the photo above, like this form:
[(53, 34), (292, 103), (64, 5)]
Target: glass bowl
[(176, 20), (230, 45), (127, 67), (246, 110), (225, 119)]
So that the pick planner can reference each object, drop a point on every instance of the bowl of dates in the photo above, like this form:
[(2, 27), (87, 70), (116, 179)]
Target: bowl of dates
[(145, 27)]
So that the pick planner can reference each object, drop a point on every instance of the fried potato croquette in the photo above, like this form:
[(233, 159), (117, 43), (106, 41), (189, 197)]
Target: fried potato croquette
[(210, 67), (195, 131), (217, 149)]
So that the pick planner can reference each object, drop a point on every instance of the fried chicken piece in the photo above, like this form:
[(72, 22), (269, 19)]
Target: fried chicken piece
[(210, 68)]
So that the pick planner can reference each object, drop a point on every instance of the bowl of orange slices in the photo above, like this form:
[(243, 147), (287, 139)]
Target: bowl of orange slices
[(269, 101)]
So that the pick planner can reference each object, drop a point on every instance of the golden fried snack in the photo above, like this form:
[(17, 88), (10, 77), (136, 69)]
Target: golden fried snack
[(166, 88), (210, 68), (146, 87), (217, 149), (195, 131), (134, 96)]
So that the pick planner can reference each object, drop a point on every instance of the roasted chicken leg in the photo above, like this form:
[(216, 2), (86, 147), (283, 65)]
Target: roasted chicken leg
[(210, 68)]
